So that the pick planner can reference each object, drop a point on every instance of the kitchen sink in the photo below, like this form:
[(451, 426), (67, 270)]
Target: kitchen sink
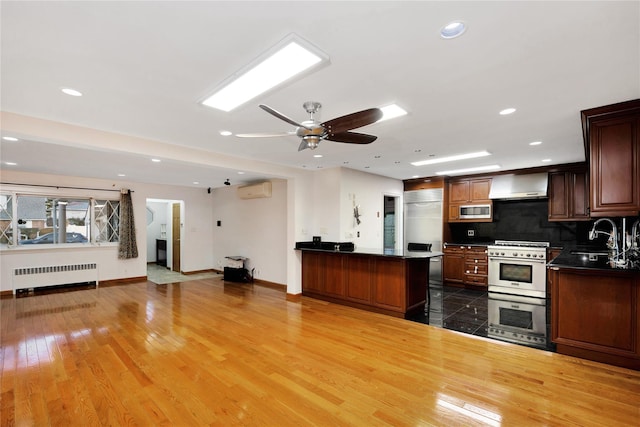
[(593, 253)]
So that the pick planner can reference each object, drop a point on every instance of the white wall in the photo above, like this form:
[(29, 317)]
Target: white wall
[(255, 229), (366, 191), (197, 253)]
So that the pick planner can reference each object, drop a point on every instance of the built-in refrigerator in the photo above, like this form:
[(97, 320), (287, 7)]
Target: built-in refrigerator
[(423, 212)]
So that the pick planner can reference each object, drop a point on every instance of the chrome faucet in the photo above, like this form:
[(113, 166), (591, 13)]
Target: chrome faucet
[(613, 236), (634, 234)]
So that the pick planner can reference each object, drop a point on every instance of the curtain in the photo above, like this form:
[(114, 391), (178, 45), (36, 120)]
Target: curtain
[(127, 247)]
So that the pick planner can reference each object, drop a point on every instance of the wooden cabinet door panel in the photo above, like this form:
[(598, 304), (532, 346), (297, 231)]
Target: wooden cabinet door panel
[(459, 191), (311, 272), (358, 279), (596, 312), (333, 275), (580, 198), (614, 166), (558, 196), (453, 267), (389, 284), (480, 189)]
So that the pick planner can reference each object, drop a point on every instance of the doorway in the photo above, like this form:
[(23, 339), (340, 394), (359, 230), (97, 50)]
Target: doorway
[(164, 233), (390, 222)]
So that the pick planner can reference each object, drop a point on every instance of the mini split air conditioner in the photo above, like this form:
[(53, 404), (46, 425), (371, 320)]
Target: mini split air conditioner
[(255, 191)]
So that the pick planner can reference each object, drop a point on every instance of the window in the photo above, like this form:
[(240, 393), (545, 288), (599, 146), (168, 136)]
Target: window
[(42, 220), (107, 220), (6, 219)]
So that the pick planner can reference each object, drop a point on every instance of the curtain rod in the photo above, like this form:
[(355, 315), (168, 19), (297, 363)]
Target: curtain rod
[(59, 186)]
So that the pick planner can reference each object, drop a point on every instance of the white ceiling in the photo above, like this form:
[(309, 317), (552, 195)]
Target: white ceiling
[(144, 66)]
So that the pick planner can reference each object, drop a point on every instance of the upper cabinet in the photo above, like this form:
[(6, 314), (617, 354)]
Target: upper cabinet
[(612, 141), (569, 195), (468, 191)]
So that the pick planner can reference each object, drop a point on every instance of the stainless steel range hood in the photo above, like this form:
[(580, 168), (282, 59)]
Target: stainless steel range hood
[(513, 187)]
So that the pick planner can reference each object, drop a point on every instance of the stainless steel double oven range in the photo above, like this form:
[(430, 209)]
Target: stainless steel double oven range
[(518, 291)]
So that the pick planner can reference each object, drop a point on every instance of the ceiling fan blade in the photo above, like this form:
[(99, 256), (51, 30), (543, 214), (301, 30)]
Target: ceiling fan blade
[(352, 138), (264, 134), (282, 116), (352, 121)]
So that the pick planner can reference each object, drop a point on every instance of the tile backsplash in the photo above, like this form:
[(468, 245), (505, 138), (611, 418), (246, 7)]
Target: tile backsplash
[(523, 220)]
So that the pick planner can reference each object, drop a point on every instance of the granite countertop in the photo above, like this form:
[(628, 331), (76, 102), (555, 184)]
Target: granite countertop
[(579, 258), (380, 252), (491, 242)]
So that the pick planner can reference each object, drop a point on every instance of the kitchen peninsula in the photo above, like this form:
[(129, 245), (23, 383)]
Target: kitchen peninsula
[(384, 281)]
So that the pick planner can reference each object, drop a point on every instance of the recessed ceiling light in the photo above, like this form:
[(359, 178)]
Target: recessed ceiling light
[(452, 158), (156, 160), (196, 182), (467, 170), (121, 174), (507, 111), (70, 91), (415, 176), (289, 58), (10, 163), (546, 160), (240, 173), (452, 30), (9, 138), (225, 133), (317, 156), (391, 112), (535, 143)]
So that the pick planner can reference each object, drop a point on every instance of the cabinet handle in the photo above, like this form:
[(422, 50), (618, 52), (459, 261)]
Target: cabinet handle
[(476, 261), (475, 270)]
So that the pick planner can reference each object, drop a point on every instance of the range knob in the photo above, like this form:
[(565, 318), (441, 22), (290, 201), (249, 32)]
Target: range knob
[(528, 255), (515, 254), (502, 253)]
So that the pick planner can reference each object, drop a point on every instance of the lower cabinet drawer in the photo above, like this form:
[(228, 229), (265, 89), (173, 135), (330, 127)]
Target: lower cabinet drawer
[(473, 279)]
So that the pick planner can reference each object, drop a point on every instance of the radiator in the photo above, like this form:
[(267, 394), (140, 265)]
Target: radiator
[(34, 277)]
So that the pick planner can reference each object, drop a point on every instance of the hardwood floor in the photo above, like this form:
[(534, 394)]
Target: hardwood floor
[(206, 352)]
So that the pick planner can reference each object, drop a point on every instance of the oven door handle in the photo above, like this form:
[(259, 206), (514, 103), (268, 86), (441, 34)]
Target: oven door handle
[(531, 261)]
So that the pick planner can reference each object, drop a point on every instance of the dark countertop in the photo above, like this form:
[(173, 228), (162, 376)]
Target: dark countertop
[(379, 252), (569, 258), (469, 243)]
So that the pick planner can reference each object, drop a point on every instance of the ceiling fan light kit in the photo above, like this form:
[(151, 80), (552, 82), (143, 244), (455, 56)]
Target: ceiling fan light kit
[(312, 132)]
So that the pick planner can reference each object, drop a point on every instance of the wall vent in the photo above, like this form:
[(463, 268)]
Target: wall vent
[(34, 277)]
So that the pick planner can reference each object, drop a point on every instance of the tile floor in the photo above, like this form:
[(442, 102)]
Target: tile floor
[(162, 275), (463, 310)]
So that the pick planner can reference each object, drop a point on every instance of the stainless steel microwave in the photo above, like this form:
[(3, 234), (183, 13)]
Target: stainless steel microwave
[(475, 212)]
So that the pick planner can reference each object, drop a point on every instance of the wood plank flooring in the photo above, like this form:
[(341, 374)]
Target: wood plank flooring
[(206, 352)]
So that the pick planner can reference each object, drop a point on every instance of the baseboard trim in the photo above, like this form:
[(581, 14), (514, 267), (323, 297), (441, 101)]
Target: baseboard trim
[(209, 270), (125, 281)]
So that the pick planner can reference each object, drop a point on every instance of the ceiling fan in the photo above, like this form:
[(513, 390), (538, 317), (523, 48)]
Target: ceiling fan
[(312, 131)]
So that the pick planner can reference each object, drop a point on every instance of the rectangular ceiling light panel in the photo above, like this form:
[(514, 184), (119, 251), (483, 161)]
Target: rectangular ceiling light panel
[(451, 158), (289, 58)]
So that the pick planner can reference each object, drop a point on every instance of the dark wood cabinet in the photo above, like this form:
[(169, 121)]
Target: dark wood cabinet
[(596, 314), (386, 284), (476, 266), (468, 191), (161, 252), (569, 196), (453, 264), (465, 265), (612, 137)]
